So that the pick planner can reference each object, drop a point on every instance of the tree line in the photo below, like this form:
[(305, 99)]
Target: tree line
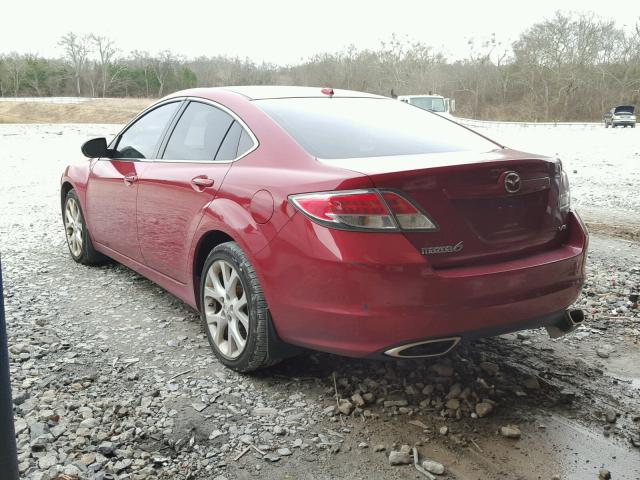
[(572, 66)]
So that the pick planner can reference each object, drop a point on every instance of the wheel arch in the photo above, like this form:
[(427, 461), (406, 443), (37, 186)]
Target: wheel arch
[(65, 188), (206, 243), (225, 220)]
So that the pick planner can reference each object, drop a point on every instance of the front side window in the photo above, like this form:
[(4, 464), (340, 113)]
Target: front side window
[(141, 139), (198, 134)]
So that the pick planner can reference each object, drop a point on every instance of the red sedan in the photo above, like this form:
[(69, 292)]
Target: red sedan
[(334, 220)]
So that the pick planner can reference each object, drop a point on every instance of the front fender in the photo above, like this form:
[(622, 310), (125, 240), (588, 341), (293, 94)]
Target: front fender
[(77, 176)]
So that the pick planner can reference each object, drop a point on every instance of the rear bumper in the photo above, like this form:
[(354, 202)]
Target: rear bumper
[(361, 294)]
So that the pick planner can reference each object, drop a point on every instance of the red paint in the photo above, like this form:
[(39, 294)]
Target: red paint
[(261, 207), (354, 293)]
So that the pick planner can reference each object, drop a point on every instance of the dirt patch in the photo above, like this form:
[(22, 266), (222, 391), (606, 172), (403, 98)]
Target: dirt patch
[(108, 110)]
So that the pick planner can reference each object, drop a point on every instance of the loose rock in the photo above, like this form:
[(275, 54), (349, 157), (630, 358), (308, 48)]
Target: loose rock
[(483, 409), (400, 457), (433, 467), (510, 431)]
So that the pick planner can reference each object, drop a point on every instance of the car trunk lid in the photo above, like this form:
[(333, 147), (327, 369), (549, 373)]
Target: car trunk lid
[(488, 206)]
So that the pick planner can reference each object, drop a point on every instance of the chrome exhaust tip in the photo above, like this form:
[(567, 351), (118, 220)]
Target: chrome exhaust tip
[(576, 317), (571, 320), (424, 349)]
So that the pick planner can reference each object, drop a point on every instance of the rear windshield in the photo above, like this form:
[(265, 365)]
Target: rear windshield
[(368, 127), (624, 109)]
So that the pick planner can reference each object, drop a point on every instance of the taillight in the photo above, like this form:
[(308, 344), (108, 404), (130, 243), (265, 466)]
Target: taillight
[(564, 194), (407, 214), (362, 210)]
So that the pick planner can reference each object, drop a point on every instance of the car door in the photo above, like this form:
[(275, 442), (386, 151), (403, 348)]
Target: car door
[(175, 189), (113, 182)]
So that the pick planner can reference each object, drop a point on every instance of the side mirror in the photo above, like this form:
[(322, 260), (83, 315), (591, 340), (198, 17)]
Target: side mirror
[(96, 148)]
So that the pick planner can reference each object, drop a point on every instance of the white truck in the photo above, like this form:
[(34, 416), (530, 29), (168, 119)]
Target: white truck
[(434, 103)]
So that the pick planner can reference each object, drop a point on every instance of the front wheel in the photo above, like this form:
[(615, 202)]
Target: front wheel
[(78, 239), (234, 311)]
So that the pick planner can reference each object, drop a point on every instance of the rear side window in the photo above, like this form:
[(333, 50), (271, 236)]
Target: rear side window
[(368, 127), (245, 144), (198, 134), (141, 138), (229, 148)]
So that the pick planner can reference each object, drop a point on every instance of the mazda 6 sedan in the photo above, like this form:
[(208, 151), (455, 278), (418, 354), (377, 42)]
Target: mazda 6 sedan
[(333, 220)]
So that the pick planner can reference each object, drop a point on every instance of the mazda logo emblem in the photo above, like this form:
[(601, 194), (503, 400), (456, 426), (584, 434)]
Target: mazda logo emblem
[(512, 182)]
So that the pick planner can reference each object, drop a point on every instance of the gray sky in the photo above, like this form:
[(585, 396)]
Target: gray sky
[(280, 31)]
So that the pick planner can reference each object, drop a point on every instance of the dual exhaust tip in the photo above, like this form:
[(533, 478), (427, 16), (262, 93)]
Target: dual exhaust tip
[(425, 349), (571, 320)]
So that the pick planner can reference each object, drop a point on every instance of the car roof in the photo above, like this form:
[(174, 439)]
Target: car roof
[(261, 92)]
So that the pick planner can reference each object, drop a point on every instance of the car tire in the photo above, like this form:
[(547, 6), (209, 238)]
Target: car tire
[(234, 311), (76, 232)]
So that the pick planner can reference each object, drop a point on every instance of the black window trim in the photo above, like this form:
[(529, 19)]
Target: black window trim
[(116, 140), (173, 123)]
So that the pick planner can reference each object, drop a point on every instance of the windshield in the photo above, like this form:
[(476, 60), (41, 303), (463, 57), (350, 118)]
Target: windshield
[(433, 104), (368, 127)]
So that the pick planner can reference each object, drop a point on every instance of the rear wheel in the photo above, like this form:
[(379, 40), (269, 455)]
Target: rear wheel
[(78, 239), (234, 311)]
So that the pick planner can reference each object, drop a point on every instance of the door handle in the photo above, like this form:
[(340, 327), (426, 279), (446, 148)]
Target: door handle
[(202, 182), (129, 179)]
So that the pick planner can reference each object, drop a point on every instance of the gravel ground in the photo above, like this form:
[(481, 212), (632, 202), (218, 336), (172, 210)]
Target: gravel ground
[(113, 377)]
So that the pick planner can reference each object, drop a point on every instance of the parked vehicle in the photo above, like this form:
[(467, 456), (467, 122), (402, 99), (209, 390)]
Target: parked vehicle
[(621, 116), (333, 220), (433, 103)]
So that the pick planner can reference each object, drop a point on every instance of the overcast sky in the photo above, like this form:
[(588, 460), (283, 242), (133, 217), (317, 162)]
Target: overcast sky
[(280, 31)]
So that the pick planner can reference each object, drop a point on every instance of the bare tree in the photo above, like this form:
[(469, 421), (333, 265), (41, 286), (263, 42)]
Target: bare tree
[(15, 66), (143, 61), (76, 50), (106, 52), (163, 65)]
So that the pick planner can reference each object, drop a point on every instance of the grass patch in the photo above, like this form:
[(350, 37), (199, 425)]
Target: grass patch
[(108, 110)]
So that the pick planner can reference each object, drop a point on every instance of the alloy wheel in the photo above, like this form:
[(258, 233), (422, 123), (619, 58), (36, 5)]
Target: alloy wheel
[(226, 309), (73, 226)]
